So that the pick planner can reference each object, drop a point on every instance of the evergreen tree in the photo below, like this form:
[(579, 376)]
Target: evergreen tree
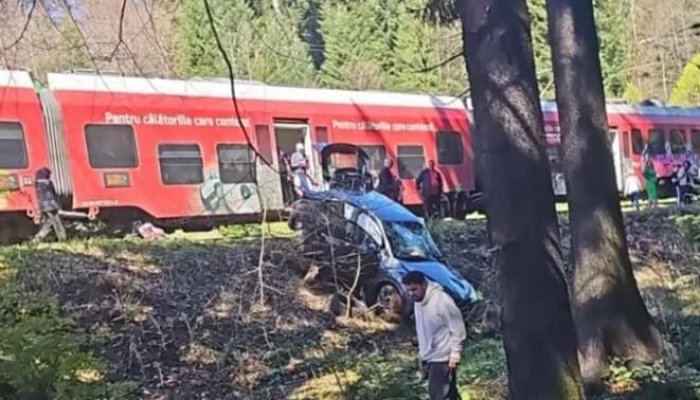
[(686, 92), (610, 20), (259, 47), (414, 51), (197, 53), (355, 47)]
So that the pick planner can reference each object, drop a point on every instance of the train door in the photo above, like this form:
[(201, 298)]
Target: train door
[(616, 147), (287, 134)]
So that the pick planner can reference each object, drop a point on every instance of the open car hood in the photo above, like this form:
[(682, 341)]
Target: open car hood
[(347, 157)]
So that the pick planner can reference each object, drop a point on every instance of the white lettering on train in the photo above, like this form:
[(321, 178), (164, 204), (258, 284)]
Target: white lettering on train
[(382, 126), (160, 119)]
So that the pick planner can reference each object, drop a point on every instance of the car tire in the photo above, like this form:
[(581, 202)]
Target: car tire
[(389, 302)]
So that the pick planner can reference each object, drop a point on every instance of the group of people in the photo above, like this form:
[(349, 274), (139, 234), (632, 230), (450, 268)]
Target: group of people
[(682, 179), (429, 182)]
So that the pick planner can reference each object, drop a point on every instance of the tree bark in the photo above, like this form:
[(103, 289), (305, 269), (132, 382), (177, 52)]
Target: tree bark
[(539, 336), (611, 318)]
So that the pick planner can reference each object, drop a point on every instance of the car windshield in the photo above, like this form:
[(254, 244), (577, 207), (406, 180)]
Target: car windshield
[(411, 241)]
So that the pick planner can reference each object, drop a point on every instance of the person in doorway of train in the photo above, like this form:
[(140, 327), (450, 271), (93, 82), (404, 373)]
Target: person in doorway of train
[(389, 184), (429, 184), (48, 205), (650, 180), (633, 189), (298, 157), (303, 184), (441, 334)]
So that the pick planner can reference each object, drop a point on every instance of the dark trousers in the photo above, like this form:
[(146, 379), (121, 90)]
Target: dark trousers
[(431, 205), (442, 383), (50, 220)]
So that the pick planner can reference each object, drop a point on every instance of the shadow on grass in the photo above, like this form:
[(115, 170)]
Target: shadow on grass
[(186, 320), (677, 317)]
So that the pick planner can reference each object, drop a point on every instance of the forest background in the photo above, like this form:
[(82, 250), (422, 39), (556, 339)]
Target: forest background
[(649, 48)]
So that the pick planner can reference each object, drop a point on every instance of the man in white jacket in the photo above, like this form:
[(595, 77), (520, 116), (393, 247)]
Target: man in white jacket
[(441, 334)]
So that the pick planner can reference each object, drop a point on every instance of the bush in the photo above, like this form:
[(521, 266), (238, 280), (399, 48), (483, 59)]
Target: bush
[(41, 353), (689, 226)]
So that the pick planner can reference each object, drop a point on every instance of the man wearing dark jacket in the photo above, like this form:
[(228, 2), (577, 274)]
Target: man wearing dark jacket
[(389, 185), (429, 184), (48, 205)]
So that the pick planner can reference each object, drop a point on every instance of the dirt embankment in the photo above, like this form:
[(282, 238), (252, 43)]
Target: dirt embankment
[(187, 320)]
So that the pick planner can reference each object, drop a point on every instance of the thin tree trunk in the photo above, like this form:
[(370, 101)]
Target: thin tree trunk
[(539, 335), (610, 316)]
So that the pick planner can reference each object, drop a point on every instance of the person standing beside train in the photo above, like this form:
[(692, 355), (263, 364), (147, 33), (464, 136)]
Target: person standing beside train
[(429, 184), (633, 189), (389, 184), (49, 206), (650, 180)]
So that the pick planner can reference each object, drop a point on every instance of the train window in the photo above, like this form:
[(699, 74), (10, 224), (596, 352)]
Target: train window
[(262, 133), (637, 142), (449, 148), (180, 164), (13, 152), (376, 155), (236, 163), (657, 142), (677, 141), (695, 140), (411, 160), (111, 146), (322, 134)]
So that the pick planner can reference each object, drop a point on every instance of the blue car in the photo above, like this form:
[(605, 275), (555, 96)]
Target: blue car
[(381, 227)]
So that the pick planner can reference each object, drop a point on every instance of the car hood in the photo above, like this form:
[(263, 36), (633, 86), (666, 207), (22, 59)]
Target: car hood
[(449, 279)]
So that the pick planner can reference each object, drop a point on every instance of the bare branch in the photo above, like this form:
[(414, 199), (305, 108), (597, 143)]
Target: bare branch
[(438, 65), (120, 37), (229, 66), (24, 28)]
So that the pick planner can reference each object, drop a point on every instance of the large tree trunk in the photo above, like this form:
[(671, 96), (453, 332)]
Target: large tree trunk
[(610, 316), (539, 335)]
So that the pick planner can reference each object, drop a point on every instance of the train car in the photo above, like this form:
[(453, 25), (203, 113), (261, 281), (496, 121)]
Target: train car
[(23, 149), (667, 136), (174, 149)]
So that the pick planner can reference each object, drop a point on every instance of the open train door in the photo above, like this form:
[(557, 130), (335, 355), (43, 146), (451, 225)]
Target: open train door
[(616, 147)]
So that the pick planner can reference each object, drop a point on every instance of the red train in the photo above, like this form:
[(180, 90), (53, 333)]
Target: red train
[(667, 135), (172, 150), (123, 147)]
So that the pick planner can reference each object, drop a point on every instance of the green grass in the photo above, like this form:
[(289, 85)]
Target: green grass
[(43, 354)]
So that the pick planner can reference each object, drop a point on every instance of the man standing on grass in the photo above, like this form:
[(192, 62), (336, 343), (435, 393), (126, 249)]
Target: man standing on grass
[(429, 183), (441, 334)]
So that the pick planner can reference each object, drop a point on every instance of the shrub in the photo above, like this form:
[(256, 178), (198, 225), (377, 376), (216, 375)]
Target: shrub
[(41, 353)]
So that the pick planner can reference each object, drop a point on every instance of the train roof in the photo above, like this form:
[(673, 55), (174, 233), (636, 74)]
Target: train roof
[(633, 109), (15, 78), (616, 108), (244, 90)]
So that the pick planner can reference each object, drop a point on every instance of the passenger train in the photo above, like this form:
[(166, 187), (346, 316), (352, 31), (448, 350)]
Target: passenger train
[(124, 148)]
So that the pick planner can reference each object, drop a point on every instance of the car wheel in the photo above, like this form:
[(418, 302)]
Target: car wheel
[(389, 303)]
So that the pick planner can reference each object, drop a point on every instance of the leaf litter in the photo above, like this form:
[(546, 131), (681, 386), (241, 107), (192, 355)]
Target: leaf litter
[(183, 319)]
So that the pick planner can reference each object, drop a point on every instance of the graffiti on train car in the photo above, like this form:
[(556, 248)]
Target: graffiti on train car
[(217, 197)]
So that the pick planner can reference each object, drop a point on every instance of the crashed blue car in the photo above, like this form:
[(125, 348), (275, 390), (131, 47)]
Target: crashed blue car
[(377, 226)]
